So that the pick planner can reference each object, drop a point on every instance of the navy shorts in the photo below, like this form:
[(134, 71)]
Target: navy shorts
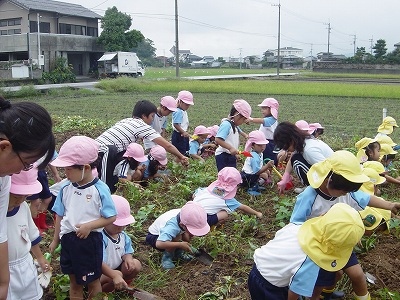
[(225, 160), (212, 219), (300, 167), (45, 193), (269, 151), (261, 289), (249, 180), (82, 257), (151, 239), (326, 278), (181, 143)]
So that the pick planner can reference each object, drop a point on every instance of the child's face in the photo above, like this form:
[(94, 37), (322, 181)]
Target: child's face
[(375, 154), (259, 148), (16, 200), (202, 138), (266, 111), (114, 229), (77, 175), (183, 105), (239, 119), (165, 111), (148, 119)]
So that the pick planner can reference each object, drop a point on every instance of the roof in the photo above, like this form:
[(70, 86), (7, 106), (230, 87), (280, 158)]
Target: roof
[(62, 8)]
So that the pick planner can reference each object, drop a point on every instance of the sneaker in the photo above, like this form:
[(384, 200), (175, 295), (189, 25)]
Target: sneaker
[(180, 254), (166, 261), (299, 190), (253, 192)]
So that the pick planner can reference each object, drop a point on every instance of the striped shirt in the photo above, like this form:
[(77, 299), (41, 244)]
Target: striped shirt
[(126, 131)]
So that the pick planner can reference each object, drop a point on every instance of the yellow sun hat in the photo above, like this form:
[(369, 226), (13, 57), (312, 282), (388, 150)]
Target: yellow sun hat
[(376, 165), (364, 142), (387, 125), (372, 217), (385, 139), (341, 162), (374, 179), (329, 240), (386, 150)]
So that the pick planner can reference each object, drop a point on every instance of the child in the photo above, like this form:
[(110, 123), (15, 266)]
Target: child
[(166, 107), (386, 126), (83, 207), (196, 144), (227, 137), (368, 149), (304, 126), (269, 121), (119, 267), (288, 265), (157, 160), (132, 168), (23, 237), (253, 168), (337, 179), (209, 144), (173, 238), (180, 122), (317, 129), (218, 199)]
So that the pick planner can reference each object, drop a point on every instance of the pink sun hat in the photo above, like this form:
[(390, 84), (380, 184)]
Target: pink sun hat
[(315, 126), (201, 130), (256, 137), (169, 102), (186, 97), (194, 217), (25, 183), (160, 154), (303, 125), (77, 150), (226, 184), (213, 131), (135, 151), (242, 107), (124, 216), (273, 104)]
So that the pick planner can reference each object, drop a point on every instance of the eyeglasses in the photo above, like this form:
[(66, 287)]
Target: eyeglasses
[(27, 167)]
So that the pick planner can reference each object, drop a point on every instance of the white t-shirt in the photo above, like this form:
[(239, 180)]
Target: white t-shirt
[(160, 222), (213, 204), (226, 133), (5, 184), (316, 150), (159, 123)]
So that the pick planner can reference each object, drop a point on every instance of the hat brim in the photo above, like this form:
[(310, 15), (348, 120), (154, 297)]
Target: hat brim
[(125, 221), (171, 108), (163, 161), (308, 235), (379, 214), (26, 189), (229, 194), (187, 101), (58, 162), (199, 231)]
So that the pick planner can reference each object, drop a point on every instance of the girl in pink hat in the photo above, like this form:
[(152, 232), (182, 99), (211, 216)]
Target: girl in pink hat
[(132, 167), (196, 144), (180, 122), (156, 160), (253, 167), (23, 238), (228, 133), (209, 144), (269, 121)]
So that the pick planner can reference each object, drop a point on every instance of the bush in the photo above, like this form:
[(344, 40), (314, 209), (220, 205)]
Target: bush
[(62, 72)]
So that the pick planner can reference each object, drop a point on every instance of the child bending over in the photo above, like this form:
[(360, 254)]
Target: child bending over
[(196, 144)]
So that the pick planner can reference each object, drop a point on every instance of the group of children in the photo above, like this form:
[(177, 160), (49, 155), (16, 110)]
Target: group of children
[(90, 221)]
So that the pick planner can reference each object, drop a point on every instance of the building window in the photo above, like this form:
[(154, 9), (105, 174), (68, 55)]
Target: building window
[(3, 23), (10, 22), (92, 31), (3, 32), (44, 27), (14, 31)]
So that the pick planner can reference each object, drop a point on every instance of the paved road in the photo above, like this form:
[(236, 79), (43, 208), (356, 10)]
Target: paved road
[(92, 84)]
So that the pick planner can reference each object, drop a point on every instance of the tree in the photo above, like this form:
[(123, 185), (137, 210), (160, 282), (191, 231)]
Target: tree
[(146, 51), (380, 49), (116, 35)]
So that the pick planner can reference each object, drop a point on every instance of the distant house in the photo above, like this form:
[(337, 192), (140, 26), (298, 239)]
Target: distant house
[(397, 45), (287, 51), (56, 29), (325, 56), (205, 61)]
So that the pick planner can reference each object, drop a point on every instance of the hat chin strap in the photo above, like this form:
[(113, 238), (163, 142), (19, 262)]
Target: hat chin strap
[(83, 173)]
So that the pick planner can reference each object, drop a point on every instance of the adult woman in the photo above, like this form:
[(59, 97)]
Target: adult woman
[(115, 140), (25, 136), (306, 151)]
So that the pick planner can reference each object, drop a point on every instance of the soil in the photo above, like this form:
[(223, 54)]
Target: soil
[(193, 279)]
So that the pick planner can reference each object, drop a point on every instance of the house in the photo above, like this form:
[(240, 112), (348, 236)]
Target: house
[(287, 51), (39, 31), (325, 56)]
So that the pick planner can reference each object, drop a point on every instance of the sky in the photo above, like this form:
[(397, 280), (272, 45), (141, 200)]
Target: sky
[(239, 28)]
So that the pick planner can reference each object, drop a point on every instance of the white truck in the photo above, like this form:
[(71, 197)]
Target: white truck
[(113, 64)]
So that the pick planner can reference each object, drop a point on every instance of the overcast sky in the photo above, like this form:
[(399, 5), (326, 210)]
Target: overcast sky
[(249, 27)]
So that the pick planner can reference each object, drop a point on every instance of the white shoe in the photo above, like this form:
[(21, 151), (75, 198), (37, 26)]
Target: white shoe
[(299, 190)]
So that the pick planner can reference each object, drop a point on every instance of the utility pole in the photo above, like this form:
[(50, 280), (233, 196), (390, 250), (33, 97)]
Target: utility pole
[(371, 41), (278, 60), (329, 37), (38, 38), (176, 40), (311, 61), (354, 44), (240, 58)]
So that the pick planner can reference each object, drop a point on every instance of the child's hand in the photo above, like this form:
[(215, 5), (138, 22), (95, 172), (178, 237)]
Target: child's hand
[(270, 164), (259, 215), (118, 280), (185, 134), (233, 151), (129, 263), (83, 230), (53, 246), (185, 246), (44, 264)]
